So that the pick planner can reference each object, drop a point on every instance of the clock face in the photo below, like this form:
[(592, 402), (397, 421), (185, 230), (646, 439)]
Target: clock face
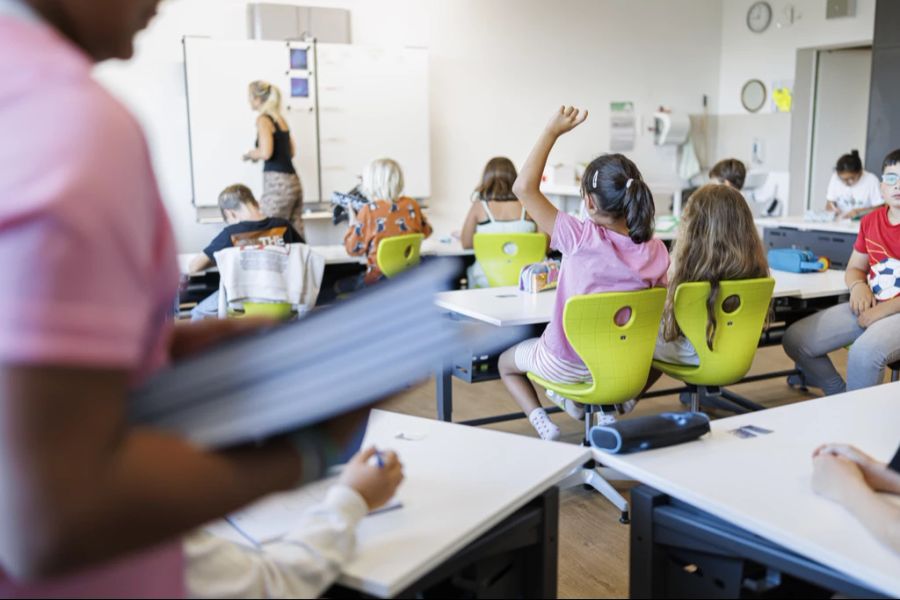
[(759, 16)]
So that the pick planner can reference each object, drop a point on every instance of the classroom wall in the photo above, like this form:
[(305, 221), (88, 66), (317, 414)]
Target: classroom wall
[(497, 69), (771, 55)]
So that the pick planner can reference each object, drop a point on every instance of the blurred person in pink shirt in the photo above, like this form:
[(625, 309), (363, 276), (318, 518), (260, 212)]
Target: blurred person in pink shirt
[(90, 506)]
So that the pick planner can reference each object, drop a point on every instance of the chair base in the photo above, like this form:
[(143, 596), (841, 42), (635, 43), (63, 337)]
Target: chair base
[(699, 396), (597, 478)]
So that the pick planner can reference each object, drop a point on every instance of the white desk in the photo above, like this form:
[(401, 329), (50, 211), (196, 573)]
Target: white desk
[(508, 307), (460, 482), (762, 484), (335, 254), (842, 226)]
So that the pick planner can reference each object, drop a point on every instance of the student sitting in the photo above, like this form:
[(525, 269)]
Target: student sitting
[(717, 241), (247, 226), (730, 172), (852, 191), (871, 320), (387, 214), (853, 479), (612, 250), (495, 209), (306, 561)]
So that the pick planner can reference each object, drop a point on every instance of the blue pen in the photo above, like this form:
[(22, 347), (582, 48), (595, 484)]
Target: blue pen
[(379, 460)]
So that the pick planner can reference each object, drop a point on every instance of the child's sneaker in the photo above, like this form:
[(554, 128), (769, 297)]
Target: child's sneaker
[(543, 425), (603, 418), (572, 408), (626, 407)]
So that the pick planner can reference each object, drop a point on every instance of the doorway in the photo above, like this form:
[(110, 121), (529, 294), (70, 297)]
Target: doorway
[(839, 116)]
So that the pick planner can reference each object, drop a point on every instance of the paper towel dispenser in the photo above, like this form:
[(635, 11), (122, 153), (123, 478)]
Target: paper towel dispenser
[(670, 128)]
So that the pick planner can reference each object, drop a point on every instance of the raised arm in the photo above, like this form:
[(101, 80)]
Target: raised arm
[(527, 187)]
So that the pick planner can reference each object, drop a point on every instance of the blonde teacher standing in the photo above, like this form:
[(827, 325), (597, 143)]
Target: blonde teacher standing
[(282, 195)]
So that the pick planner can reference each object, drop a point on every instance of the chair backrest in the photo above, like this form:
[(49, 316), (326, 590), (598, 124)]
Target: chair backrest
[(397, 253), (502, 255), (618, 356), (271, 282), (736, 337)]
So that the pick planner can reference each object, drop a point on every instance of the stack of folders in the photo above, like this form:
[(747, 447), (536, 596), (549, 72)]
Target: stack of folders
[(334, 361)]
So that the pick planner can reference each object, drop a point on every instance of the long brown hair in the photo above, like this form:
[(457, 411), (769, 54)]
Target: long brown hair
[(497, 180), (717, 241)]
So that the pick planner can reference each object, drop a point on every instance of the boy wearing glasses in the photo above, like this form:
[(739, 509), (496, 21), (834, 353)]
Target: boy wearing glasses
[(871, 320)]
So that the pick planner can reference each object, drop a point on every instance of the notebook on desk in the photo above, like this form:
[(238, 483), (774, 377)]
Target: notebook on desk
[(334, 361)]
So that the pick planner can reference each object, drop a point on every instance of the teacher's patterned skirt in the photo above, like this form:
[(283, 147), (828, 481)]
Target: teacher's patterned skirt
[(283, 197)]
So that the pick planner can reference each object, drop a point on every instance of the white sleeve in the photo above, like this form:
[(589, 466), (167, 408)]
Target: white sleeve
[(834, 188), (303, 564)]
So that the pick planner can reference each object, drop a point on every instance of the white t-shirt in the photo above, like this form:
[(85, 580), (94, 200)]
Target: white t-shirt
[(865, 193)]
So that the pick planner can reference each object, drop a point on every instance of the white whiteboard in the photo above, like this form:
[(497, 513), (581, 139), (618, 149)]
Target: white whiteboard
[(370, 103), (373, 103), (222, 124)]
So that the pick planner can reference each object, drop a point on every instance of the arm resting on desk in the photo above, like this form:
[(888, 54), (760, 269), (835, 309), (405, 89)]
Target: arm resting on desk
[(199, 263), (841, 480)]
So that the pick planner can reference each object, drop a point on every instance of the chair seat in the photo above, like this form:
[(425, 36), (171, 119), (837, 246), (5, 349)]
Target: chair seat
[(575, 391), (691, 374)]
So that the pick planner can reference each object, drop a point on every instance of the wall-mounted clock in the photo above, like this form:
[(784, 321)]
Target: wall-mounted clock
[(759, 17)]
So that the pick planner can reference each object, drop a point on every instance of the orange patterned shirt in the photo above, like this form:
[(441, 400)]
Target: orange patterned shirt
[(381, 219)]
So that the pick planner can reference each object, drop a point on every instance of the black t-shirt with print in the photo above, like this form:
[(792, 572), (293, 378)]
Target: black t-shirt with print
[(271, 231)]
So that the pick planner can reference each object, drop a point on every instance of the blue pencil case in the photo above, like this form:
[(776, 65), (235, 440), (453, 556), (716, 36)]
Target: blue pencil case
[(793, 260)]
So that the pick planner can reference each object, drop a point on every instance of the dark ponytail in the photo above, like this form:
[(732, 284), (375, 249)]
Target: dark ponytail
[(640, 211), (849, 163), (617, 189)]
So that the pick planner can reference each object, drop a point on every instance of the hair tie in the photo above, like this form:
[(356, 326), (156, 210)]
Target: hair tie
[(594, 180), (628, 183)]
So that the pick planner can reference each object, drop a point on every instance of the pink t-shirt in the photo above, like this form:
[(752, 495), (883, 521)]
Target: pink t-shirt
[(597, 259), (88, 274)]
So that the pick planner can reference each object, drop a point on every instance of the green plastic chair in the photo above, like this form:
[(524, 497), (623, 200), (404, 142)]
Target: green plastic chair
[(398, 253), (502, 255), (270, 310), (619, 359), (734, 343)]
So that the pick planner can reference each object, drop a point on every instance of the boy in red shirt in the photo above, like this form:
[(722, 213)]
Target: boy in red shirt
[(871, 320)]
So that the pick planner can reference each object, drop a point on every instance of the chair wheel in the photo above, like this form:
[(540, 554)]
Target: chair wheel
[(624, 518)]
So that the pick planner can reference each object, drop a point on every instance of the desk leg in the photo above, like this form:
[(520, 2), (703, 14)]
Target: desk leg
[(542, 563), (646, 572), (444, 392)]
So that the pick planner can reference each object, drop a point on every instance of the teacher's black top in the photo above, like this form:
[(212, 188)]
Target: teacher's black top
[(280, 161)]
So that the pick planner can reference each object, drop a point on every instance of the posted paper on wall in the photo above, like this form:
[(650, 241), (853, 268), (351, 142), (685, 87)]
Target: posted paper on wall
[(621, 126)]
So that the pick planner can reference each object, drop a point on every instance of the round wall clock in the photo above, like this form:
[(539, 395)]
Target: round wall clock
[(759, 16)]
